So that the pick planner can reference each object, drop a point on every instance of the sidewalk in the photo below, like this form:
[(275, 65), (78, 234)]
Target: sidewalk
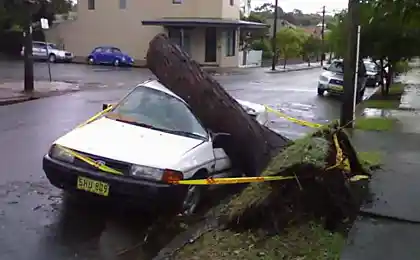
[(12, 92), (295, 67), (389, 226)]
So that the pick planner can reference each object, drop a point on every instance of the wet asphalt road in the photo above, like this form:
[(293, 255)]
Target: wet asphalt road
[(38, 222)]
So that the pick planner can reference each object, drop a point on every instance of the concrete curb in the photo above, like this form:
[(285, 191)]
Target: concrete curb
[(295, 69), (15, 100)]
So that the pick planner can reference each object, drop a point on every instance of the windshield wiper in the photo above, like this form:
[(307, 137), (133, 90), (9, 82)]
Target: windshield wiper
[(184, 133), (135, 123)]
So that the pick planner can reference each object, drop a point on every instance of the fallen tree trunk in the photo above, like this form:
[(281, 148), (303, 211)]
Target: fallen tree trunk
[(250, 145)]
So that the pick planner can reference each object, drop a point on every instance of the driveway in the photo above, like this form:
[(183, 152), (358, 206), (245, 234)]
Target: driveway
[(38, 222)]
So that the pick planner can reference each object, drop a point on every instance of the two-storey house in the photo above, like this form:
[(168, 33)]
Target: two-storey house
[(207, 29)]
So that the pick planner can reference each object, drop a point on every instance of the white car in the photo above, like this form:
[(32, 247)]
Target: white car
[(48, 51), (137, 146)]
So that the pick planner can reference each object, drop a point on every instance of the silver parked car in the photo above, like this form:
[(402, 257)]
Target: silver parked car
[(331, 80), (54, 54)]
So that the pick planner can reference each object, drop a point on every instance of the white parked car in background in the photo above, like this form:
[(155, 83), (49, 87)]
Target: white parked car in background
[(137, 146), (49, 51)]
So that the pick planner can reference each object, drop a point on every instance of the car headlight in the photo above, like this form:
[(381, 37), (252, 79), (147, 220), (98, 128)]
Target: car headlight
[(60, 154), (145, 172), (123, 58), (323, 78)]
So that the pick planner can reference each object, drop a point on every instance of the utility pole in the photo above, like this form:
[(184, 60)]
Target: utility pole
[(28, 59), (274, 38), (350, 59), (322, 36)]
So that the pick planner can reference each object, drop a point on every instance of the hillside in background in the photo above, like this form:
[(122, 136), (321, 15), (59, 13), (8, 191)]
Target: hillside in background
[(265, 13)]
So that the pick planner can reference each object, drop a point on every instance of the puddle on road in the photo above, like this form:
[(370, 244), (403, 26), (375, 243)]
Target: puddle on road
[(51, 225)]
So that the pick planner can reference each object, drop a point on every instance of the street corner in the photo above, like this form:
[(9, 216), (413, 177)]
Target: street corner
[(13, 92)]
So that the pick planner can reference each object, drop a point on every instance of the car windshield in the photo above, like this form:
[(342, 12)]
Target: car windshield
[(336, 66), (371, 67), (157, 110)]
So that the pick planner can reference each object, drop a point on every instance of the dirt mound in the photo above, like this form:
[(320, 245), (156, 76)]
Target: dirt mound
[(323, 164)]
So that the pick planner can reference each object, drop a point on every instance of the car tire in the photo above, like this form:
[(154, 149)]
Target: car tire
[(52, 58), (91, 60), (193, 196), (116, 63), (321, 92)]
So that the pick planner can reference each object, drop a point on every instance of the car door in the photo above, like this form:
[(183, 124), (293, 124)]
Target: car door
[(39, 50), (108, 56)]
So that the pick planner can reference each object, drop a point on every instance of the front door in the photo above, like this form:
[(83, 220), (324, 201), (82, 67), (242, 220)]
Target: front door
[(211, 45)]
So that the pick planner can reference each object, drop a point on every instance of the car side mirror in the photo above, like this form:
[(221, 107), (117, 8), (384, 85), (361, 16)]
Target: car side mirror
[(105, 106), (219, 139)]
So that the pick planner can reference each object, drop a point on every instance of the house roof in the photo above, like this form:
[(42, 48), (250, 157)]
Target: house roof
[(204, 22)]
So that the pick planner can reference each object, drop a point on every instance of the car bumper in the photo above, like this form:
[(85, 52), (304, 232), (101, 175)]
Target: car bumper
[(331, 88), (371, 81), (65, 58), (64, 176)]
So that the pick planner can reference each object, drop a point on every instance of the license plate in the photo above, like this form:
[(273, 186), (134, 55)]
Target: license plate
[(337, 88), (89, 185)]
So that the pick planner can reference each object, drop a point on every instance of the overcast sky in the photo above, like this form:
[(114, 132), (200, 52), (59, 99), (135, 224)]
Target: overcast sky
[(307, 6)]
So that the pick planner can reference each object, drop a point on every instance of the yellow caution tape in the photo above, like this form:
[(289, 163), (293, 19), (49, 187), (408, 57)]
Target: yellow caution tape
[(91, 162), (219, 181), (292, 119), (340, 156), (359, 177), (223, 181), (93, 118)]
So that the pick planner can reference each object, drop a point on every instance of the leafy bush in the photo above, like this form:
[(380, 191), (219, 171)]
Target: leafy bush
[(264, 46), (402, 67)]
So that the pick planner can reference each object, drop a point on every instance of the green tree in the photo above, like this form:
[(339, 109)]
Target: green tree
[(311, 47), (15, 12), (289, 42)]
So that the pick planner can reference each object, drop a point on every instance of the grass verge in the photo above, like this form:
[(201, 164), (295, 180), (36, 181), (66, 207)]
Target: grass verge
[(371, 160), (391, 101), (375, 123), (308, 241), (382, 104)]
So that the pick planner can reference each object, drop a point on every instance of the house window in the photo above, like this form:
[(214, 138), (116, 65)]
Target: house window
[(91, 4), (177, 1), (232, 2), (123, 4), (230, 42)]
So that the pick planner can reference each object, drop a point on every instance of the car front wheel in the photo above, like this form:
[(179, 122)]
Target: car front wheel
[(191, 200), (116, 62), (52, 58), (320, 92)]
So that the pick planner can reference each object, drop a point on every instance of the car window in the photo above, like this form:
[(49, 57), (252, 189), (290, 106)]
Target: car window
[(107, 50), (38, 45), (336, 66), (370, 66), (52, 45), (116, 50), (159, 110), (98, 50)]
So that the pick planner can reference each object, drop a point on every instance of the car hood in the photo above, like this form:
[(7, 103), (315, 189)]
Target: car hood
[(128, 143), (333, 75)]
